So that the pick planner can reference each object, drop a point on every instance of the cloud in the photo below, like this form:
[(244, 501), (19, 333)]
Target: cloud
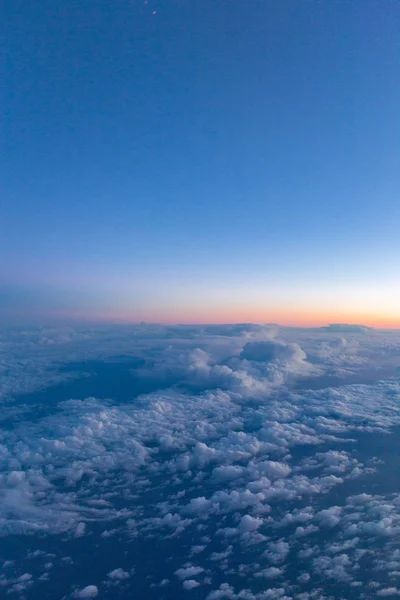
[(329, 517), (249, 523), (189, 584), (271, 573), (277, 551), (228, 460), (347, 328), (188, 572), (90, 591), (118, 574), (388, 592)]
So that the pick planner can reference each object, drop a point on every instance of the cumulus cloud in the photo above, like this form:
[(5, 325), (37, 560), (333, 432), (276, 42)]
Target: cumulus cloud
[(271, 573), (118, 574), (388, 592), (249, 523), (189, 584), (347, 328), (188, 572), (277, 551), (229, 460), (90, 591), (271, 350)]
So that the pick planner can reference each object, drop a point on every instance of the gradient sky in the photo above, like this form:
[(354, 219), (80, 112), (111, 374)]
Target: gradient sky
[(201, 161)]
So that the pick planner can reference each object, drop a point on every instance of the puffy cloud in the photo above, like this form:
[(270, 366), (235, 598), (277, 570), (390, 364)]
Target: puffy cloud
[(25, 577), (198, 506), (271, 573), (388, 592), (333, 567), (223, 474), (329, 517), (90, 591), (224, 591), (347, 328), (188, 572), (249, 523), (80, 530), (189, 584), (118, 574), (197, 549), (277, 551), (268, 351), (226, 457), (273, 469)]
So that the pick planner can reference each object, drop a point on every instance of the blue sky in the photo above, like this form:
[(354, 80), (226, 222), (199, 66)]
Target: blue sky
[(201, 161)]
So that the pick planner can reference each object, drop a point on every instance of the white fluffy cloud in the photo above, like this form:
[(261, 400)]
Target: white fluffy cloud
[(188, 572), (189, 584), (118, 574), (90, 591), (240, 446)]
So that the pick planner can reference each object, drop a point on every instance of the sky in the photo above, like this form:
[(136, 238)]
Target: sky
[(201, 161)]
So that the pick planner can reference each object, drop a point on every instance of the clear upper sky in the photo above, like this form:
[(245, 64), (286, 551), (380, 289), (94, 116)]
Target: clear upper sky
[(201, 160)]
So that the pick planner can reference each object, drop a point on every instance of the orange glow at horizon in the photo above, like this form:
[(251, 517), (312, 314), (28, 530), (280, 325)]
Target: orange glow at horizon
[(234, 316)]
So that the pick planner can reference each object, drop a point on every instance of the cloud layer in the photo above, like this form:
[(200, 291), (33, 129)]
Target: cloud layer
[(240, 473)]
